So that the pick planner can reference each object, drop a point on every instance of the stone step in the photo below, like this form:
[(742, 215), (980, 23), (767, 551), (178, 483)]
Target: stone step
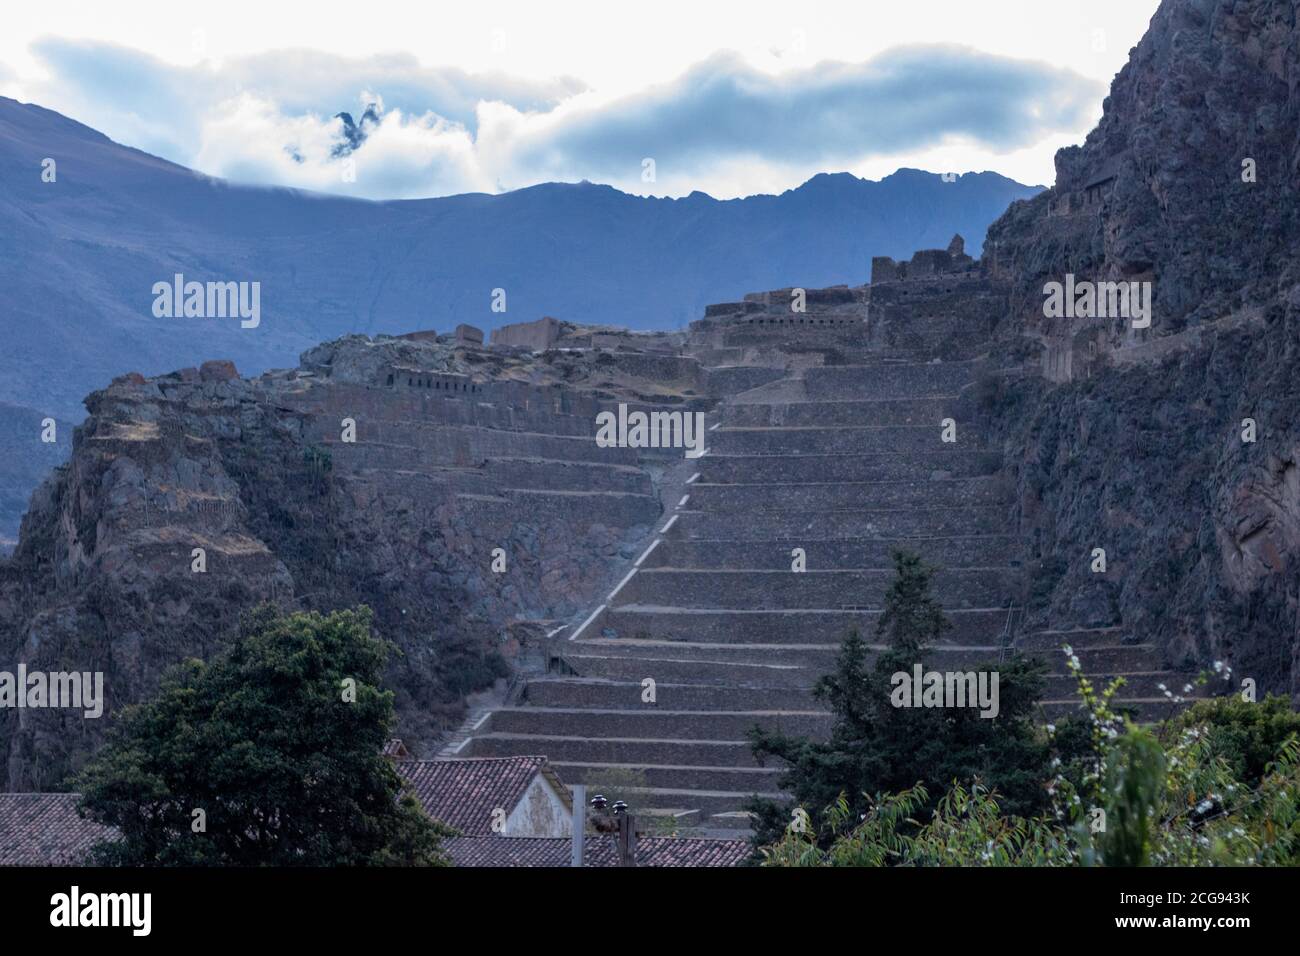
[(848, 496), (977, 627), (722, 381), (934, 521), (798, 665), (1141, 685), (744, 780), (1117, 659), (841, 382), (654, 723), (838, 440), (678, 670), (579, 692), (719, 824), (434, 444), (582, 509), (640, 752), (547, 475), (767, 665), (1053, 641), (891, 411), (716, 808), (716, 468), (679, 818), (750, 589), (982, 551)]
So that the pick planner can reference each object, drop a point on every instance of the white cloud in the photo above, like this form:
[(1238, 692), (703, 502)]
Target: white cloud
[(722, 126), (249, 139)]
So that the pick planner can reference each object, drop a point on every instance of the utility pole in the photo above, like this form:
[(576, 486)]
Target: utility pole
[(579, 823), (620, 823)]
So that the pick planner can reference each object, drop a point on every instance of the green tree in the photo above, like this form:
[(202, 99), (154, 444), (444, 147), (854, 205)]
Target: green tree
[(1172, 798), (269, 754), (1247, 734), (876, 747)]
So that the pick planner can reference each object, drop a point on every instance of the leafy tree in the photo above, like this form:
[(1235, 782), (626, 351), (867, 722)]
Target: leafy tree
[(877, 747), (1164, 799), (1246, 734), (270, 754)]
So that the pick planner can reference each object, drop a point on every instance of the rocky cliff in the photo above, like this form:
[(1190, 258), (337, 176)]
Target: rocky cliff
[(1135, 440), (380, 471)]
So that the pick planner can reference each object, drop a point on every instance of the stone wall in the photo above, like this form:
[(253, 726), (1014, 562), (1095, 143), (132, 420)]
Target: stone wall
[(541, 334)]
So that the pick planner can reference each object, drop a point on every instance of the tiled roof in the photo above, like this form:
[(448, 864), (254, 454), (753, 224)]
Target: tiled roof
[(393, 747), (499, 851), (463, 793), (43, 829)]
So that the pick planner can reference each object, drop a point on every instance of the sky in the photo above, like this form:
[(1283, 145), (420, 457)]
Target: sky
[(655, 98)]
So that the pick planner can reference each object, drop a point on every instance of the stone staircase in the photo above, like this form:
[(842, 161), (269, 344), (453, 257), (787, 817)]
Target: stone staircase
[(847, 463)]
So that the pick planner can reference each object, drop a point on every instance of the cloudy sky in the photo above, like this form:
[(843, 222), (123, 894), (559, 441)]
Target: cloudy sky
[(727, 98)]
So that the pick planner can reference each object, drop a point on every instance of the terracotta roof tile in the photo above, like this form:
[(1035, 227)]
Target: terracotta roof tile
[(463, 793), (499, 851), (43, 829)]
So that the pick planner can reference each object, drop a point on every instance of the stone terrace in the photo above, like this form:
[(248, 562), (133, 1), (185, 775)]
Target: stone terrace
[(846, 462)]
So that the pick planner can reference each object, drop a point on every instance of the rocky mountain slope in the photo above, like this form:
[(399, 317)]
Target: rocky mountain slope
[(28, 459), (81, 253), (384, 471), (1091, 433), (79, 256), (1133, 440)]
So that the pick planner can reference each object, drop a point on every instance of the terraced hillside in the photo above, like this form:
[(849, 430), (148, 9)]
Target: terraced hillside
[(847, 462)]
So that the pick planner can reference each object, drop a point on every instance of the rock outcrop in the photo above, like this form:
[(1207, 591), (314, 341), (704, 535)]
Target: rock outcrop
[(384, 472), (1173, 447)]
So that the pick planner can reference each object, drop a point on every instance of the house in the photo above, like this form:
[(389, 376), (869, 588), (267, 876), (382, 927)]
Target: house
[(599, 851), (44, 829), (393, 747), (497, 796)]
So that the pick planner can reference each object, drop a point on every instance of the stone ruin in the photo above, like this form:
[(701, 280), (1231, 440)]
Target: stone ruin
[(925, 262), (541, 334)]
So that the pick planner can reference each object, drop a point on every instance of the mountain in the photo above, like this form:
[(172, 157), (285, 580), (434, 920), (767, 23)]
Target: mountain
[(1111, 440), (79, 257), (81, 254), (1174, 448)]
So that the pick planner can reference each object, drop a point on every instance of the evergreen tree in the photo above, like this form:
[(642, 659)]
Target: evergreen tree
[(875, 747), (270, 754)]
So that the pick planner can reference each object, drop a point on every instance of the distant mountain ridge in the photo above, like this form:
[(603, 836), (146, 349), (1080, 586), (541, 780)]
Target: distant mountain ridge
[(80, 255)]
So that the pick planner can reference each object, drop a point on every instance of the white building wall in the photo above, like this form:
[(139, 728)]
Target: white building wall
[(540, 813)]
